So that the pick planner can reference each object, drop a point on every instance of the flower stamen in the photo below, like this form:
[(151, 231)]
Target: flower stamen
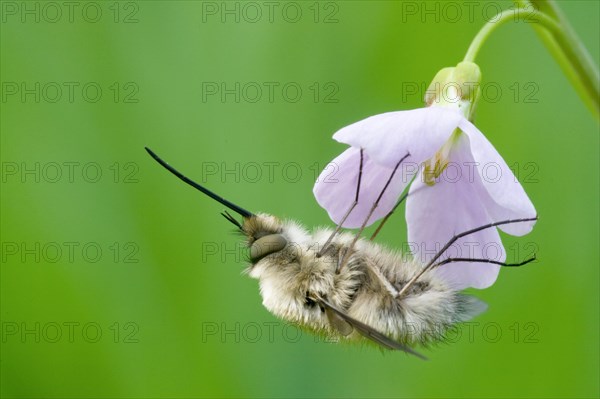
[(435, 166)]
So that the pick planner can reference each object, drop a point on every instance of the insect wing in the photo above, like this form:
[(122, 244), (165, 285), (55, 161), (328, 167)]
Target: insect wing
[(369, 332)]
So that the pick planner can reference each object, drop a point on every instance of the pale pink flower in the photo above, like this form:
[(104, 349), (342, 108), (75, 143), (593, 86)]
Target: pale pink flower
[(460, 182)]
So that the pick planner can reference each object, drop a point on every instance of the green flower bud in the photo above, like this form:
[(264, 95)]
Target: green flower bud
[(456, 86), (434, 91), (468, 76)]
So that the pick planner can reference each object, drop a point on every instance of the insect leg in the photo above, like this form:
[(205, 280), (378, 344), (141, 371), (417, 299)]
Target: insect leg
[(401, 200), (432, 264), (495, 262), (339, 226), (375, 204), (384, 281)]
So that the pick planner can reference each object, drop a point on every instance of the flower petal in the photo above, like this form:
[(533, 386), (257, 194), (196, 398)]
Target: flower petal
[(388, 137), (335, 189), (507, 198), (434, 214)]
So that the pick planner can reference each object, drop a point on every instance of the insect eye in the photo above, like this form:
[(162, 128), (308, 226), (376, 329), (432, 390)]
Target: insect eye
[(267, 245)]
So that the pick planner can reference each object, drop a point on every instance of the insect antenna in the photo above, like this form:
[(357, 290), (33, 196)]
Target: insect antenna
[(431, 264), (231, 219), (375, 204), (197, 186)]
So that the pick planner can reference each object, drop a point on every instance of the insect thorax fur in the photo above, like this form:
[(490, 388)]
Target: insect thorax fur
[(291, 274)]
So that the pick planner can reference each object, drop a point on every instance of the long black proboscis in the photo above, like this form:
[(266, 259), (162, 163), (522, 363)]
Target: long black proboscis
[(197, 186)]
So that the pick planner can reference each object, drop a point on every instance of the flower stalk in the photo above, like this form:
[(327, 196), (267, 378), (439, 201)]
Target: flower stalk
[(570, 53), (561, 40), (502, 18)]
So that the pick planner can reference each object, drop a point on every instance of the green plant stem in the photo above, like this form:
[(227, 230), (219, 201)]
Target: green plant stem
[(560, 39), (501, 19), (569, 52)]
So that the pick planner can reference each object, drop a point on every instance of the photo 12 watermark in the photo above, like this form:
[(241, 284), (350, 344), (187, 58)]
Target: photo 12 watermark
[(294, 171), (53, 12), (492, 332), (69, 172), (61, 332), (69, 252), (90, 92), (270, 92), (224, 252), (254, 12), (430, 11), (490, 92)]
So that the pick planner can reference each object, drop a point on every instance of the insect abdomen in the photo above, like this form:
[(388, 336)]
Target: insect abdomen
[(296, 284), (422, 315)]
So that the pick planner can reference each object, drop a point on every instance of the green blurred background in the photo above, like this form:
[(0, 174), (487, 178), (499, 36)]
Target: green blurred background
[(128, 283)]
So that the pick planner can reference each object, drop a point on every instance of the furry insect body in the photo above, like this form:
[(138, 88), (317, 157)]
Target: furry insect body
[(344, 286), (293, 280)]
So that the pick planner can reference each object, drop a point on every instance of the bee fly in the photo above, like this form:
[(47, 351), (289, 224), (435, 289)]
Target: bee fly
[(347, 287)]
